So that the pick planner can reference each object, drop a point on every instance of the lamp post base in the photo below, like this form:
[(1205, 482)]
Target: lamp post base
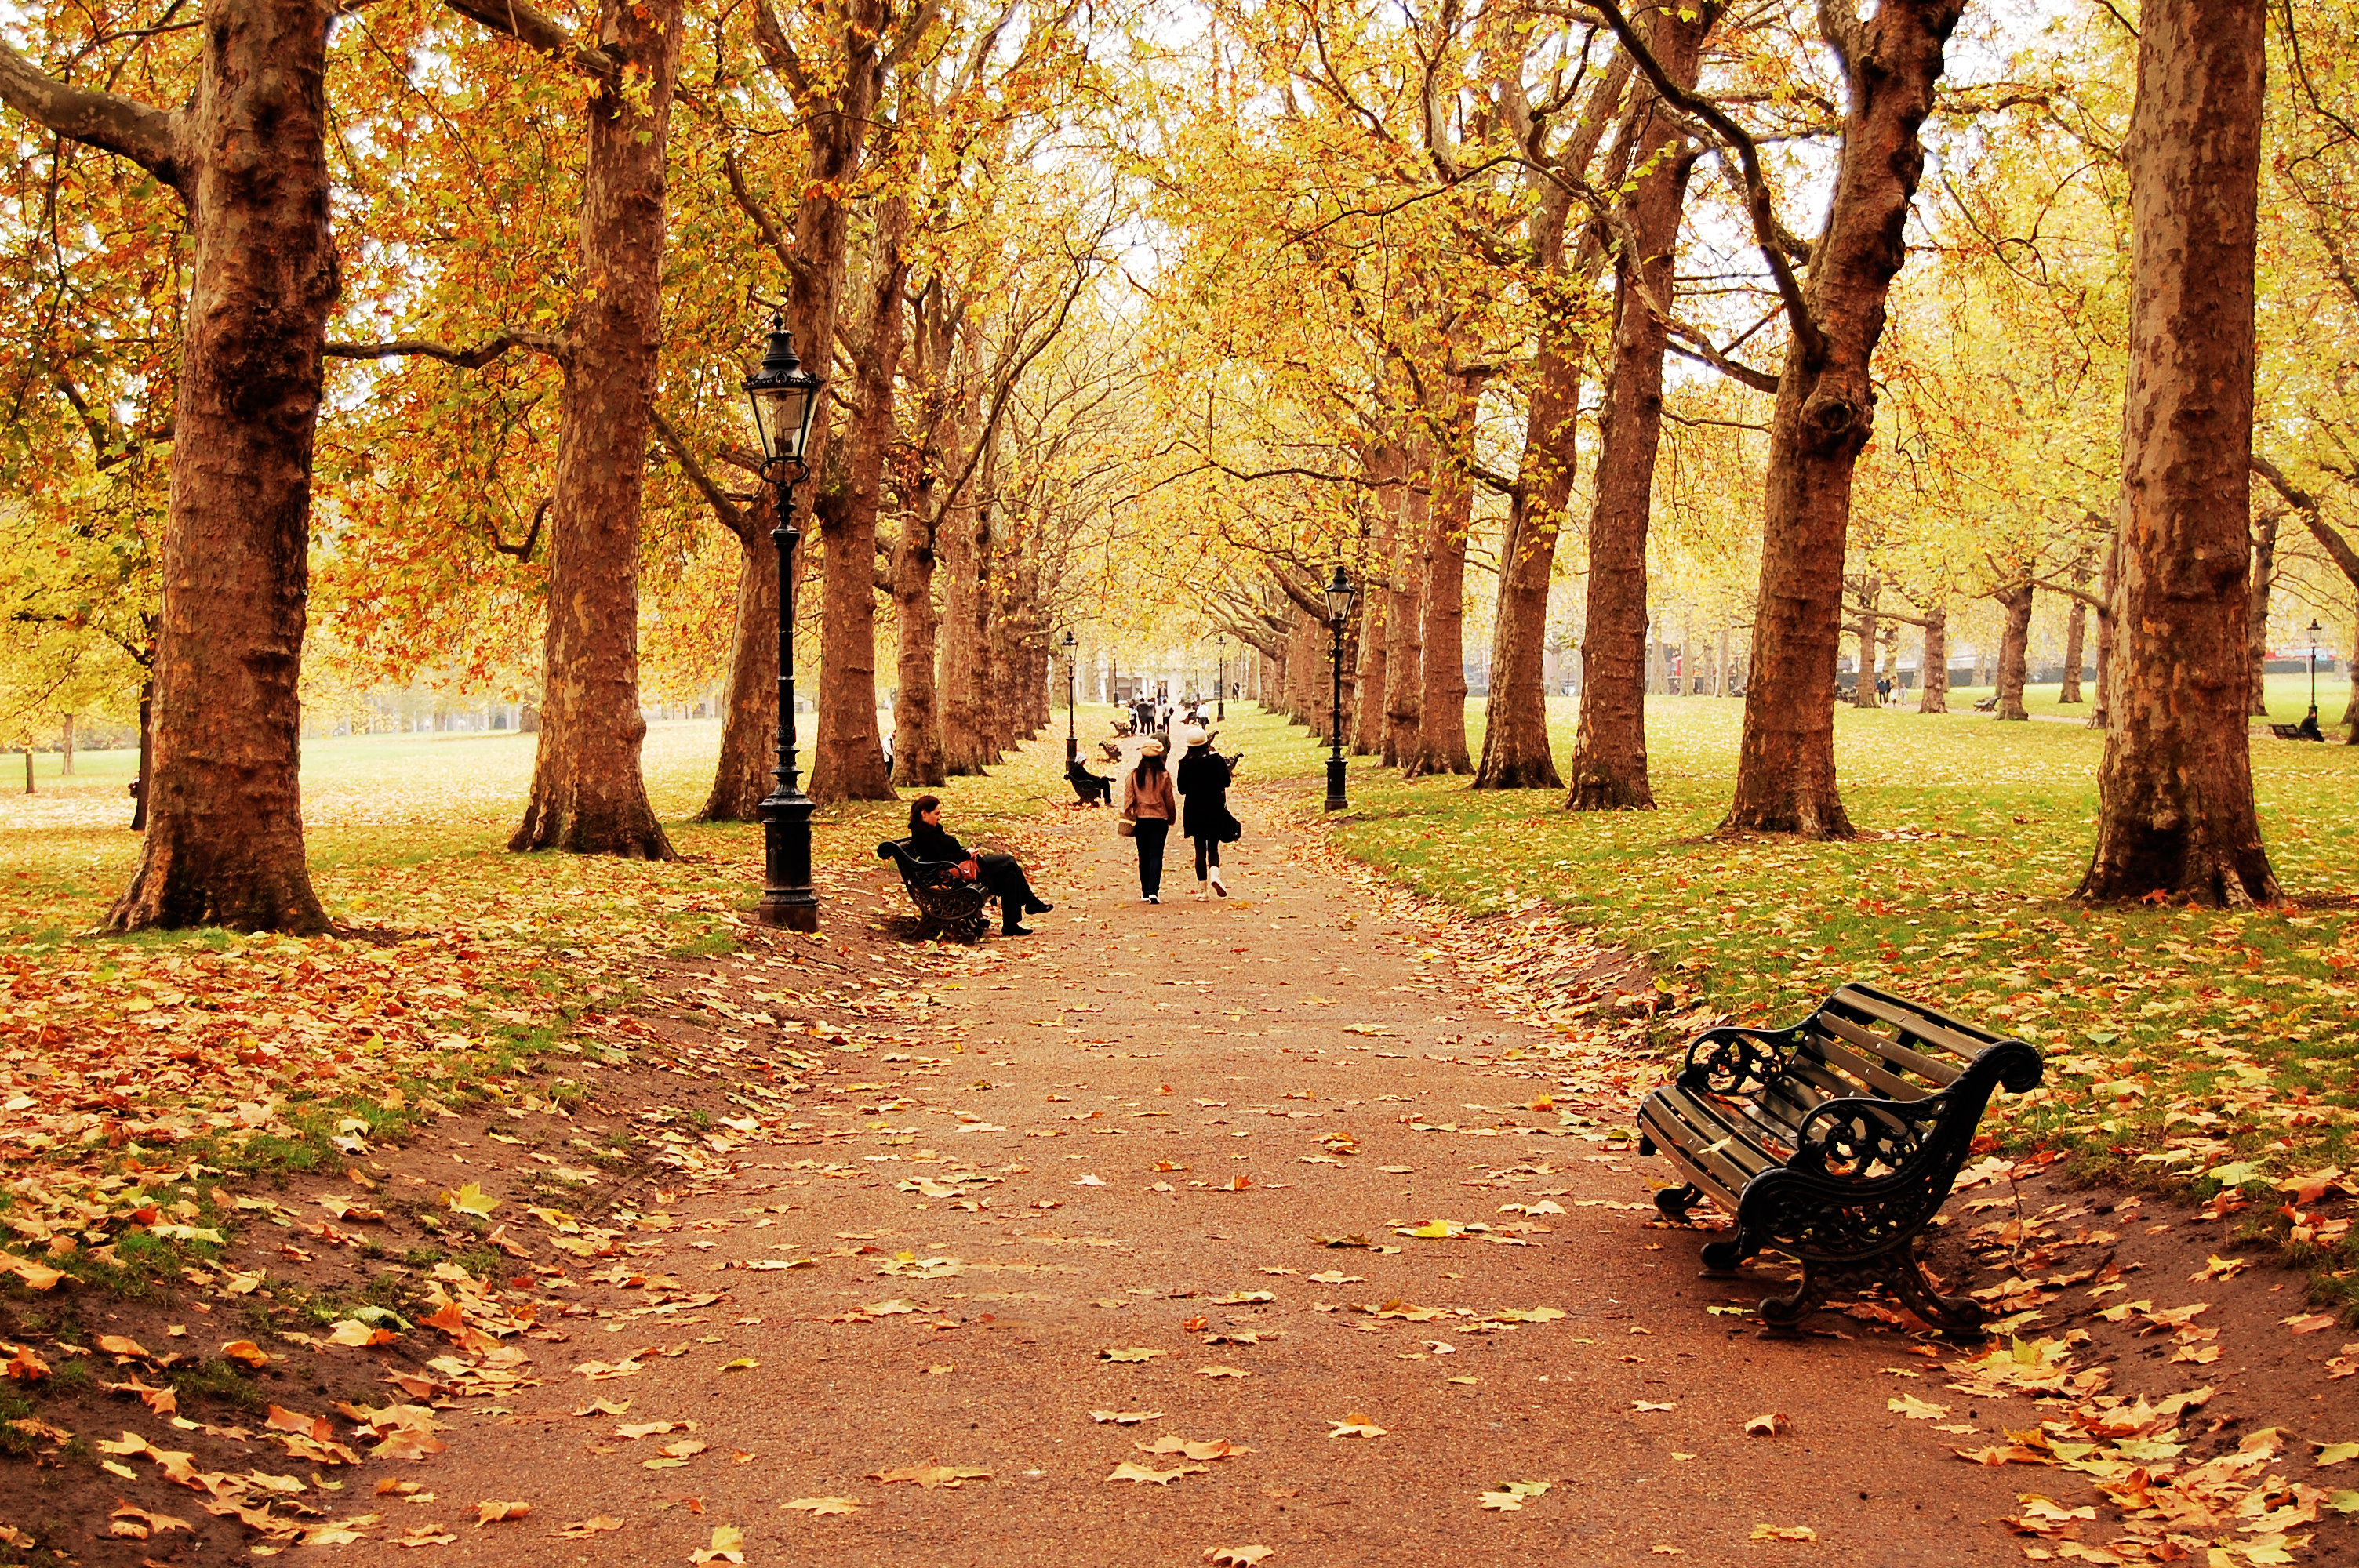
[(1335, 801), (1072, 748), (788, 899)]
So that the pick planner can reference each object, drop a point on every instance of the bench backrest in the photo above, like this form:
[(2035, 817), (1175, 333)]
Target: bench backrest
[(916, 874)]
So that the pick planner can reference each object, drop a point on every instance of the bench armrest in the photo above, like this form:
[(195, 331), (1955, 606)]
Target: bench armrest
[(1731, 1061), (1857, 1137)]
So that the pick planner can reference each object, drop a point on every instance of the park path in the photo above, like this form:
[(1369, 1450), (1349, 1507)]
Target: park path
[(1090, 1175)]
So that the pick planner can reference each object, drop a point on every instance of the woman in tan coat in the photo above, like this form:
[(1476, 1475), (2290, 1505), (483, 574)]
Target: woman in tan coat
[(1149, 801)]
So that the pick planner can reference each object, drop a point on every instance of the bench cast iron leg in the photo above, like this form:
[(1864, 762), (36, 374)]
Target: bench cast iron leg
[(1898, 1269)]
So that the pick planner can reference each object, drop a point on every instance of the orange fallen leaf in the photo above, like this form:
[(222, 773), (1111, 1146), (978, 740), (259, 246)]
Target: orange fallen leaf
[(246, 1351), (932, 1475), (587, 1528), (494, 1512)]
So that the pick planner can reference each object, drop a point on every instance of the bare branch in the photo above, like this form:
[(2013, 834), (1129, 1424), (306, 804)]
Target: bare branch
[(476, 358), (538, 30), (124, 127), (732, 515)]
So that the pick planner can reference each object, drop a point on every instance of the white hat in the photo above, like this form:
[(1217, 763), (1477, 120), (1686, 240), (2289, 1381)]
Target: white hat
[(1193, 736), (1152, 749)]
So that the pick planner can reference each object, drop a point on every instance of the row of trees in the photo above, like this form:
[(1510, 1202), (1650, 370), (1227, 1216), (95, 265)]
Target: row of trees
[(420, 322), (1463, 217)]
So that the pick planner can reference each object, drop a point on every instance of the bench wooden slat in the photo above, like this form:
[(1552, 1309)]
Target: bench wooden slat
[(1871, 1073), (1695, 1127), (1932, 1027), (1892, 1054)]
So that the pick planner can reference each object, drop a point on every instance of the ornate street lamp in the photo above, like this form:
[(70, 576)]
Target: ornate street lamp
[(784, 398), (2314, 630), (1221, 693), (1340, 595), (1072, 675)]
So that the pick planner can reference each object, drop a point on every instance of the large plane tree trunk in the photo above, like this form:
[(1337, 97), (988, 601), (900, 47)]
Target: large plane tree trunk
[(588, 795), (1825, 411), (248, 155), (2256, 611), (848, 756), (1933, 663), (1609, 749), (1441, 690), (1516, 753), (2175, 814), (749, 699), (2014, 648), (1405, 608)]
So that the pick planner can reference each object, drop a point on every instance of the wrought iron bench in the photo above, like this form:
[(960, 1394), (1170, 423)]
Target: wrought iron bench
[(1989, 704), (1089, 788), (2294, 732), (1836, 1141), (945, 901)]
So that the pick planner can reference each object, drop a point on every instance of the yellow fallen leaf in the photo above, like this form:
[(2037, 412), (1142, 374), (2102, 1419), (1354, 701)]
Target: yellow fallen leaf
[(494, 1512), (1784, 1532), (1355, 1426), (353, 1331), (1136, 1353), (470, 1199), (728, 1546), (932, 1475), (816, 1506), (1125, 1418), (588, 1528), (1237, 1556), (1127, 1471), (1769, 1425), (427, 1535), (247, 1352), (1916, 1409)]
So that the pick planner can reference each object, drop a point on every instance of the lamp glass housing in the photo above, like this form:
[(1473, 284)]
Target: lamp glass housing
[(784, 398), (1340, 596)]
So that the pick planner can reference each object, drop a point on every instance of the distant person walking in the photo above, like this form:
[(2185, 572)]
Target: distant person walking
[(1149, 801), (1204, 777)]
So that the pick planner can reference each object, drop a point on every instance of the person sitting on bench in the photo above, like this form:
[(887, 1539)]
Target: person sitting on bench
[(1089, 788), (2308, 729), (1001, 873)]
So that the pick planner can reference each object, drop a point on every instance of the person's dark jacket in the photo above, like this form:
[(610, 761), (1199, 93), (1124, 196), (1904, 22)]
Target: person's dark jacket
[(932, 842), (1204, 777)]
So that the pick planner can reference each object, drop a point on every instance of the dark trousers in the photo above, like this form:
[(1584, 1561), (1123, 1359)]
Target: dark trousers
[(1150, 836), (1002, 875), (1208, 853)]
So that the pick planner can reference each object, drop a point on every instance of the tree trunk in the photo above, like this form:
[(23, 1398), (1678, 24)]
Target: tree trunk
[(1363, 729), (749, 701), (2109, 585), (66, 767), (1825, 412), (2256, 610), (145, 781), (2175, 814), (1934, 663), (1516, 753), (848, 756), (959, 671), (588, 795), (2014, 649), (1371, 725), (1405, 611), (2076, 639), (1609, 747), (29, 768), (1863, 690), (219, 800), (1441, 695), (916, 708), (2351, 708)]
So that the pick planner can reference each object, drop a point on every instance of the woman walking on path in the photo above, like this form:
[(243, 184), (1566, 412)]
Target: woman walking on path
[(1002, 874), (1203, 778), (1150, 804)]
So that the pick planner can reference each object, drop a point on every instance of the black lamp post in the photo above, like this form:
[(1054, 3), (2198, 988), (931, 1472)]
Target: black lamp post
[(2314, 630), (1340, 594), (1221, 692), (1072, 675), (784, 397)]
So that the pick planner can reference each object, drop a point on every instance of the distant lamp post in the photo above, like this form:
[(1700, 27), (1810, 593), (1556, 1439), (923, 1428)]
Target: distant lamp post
[(784, 398), (2314, 630), (1221, 692), (1072, 675), (1340, 595)]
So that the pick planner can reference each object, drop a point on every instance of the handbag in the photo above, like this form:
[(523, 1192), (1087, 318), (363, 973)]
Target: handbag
[(1128, 826), (1231, 829)]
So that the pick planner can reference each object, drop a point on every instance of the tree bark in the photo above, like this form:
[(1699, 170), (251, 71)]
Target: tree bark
[(588, 795), (2076, 640), (2109, 585), (1933, 663), (219, 797), (66, 770), (1825, 412), (1405, 608), (961, 670), (1516, 753), (1371, 725), (749, 701), (848, 756), (1863, 690), (1441, 692), (2014, 648), (2176, 816), (2256, 610)]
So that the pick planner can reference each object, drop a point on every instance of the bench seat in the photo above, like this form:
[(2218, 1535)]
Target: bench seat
[(1836, 1141)]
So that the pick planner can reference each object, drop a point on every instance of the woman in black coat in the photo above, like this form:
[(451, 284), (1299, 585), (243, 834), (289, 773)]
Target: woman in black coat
[(1203, 776), (1001, 873)]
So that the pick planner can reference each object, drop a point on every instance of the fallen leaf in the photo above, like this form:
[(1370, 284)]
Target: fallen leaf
[(1784, 1532), (1769, 1425), (2335, 1453), (247, 1352), (1205, 1449), (1511, 1497), (816, 1506), (1136, 1353), (932, 1475), (494, 1512), (596, 1525), (1916, 1409), (2308, 1323), (1651, 1405), (1222, 1372), (1237, 1556), (1125, 1418), (427, 1535), (1355, 1426), (470, 1199), (1127, 1471), (728, 1546)]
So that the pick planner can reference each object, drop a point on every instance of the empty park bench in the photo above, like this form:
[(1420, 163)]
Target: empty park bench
[(947, 902), (1836, 1142), (1989, 704)]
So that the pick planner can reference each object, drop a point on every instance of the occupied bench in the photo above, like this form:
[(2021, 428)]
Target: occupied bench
[(1836, 1141), (945, 900)]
